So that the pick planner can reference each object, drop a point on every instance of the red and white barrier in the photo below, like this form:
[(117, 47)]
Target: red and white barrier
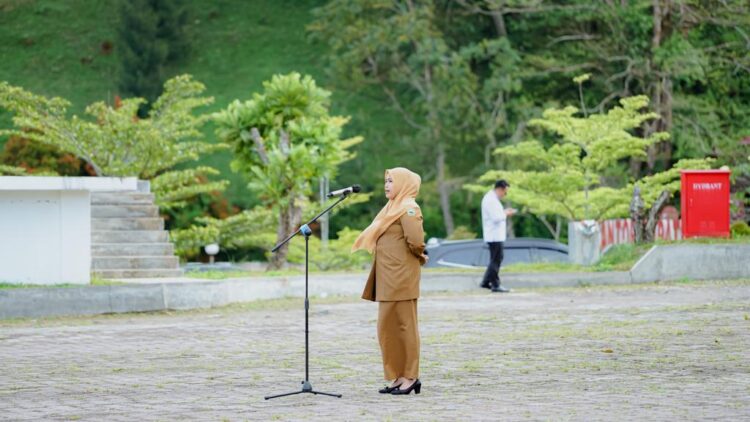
[(619, 231)]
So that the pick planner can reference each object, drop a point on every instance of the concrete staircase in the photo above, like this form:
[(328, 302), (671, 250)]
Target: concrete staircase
[(128, 239)]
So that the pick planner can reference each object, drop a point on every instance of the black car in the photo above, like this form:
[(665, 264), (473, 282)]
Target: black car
[(476, 254)]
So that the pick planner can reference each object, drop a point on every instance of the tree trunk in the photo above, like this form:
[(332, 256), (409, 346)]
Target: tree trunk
[(499, 21), (510, 229), (324, 219), (489, 149), (649, 230), (662, 101), (554, 231), (433, 119), (644, 225), (665, 122), (661, 87), (636, 215), (289, 220), (635, 167), (444, 189)]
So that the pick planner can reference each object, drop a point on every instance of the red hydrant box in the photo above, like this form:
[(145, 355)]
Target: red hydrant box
[(705, 203)]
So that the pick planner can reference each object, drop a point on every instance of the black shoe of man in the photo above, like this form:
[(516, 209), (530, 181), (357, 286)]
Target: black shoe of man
[(500, 289), (485, 286)]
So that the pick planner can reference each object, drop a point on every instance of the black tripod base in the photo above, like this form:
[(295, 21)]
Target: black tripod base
[(306, 388)]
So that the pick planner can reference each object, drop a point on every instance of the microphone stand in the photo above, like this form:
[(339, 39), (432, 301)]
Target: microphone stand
[(306, 231)]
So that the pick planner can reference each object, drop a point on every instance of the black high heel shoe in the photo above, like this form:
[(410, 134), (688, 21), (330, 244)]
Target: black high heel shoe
[(416, 386), (388, 389)]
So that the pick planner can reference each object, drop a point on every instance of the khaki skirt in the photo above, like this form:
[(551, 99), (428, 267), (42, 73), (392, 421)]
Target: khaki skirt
[(398, 334)]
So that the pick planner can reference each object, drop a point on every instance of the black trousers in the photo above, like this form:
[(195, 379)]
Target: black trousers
[(491, 276)]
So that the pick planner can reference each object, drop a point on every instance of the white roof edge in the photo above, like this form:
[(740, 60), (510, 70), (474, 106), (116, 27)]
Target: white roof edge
[(94, 184)]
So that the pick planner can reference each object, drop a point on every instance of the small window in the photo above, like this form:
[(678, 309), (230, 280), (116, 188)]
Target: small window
[(516, 256), (463, 256), (550, 255), (510, 256)]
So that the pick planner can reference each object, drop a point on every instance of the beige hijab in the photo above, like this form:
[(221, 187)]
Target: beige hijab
[(406, 185)]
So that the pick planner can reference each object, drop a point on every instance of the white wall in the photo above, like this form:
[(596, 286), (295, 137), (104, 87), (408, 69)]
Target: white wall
[(45, 236), (45, 226)]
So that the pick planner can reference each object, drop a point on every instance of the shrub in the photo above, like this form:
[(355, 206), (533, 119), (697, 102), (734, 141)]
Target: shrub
[(740, 229), (337, 256), (37, 158), (462, 233)]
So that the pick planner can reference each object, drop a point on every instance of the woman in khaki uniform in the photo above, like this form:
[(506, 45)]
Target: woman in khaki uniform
[(396, 239)]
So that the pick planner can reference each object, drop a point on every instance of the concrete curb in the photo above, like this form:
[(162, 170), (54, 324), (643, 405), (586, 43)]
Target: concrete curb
[(158, 295), (694, 261), (664, 262)]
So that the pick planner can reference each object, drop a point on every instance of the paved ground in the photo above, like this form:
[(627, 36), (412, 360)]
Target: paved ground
[(678, 352)]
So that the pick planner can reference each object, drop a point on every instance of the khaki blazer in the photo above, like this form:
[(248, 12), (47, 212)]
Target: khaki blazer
[(399, 255)]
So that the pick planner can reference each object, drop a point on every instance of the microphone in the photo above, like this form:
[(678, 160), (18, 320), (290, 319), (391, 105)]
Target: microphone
[(345, 191)]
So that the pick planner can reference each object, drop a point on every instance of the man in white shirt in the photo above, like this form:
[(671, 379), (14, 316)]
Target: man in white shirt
[(494, 218)]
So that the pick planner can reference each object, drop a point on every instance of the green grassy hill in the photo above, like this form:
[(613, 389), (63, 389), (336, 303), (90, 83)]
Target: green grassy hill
[(55, 48)]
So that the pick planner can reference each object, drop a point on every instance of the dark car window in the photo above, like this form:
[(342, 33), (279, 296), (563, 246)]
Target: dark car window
[(510, 256), (476, 253), (463, 256), (550, 255), (516, 255)]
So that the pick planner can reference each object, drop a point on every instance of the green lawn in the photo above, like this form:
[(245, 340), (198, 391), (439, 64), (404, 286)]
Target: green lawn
[(95, 281), (4, 285), (223, 275)]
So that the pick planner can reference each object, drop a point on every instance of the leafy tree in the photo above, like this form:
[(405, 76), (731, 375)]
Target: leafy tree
[(452, 93), (504, 60), (284, 139), (6, 170), (153, 37), (250, 228), (689, 57), (337, 256), (568, 178), (254, 228), (113, 141), (172, 189)]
